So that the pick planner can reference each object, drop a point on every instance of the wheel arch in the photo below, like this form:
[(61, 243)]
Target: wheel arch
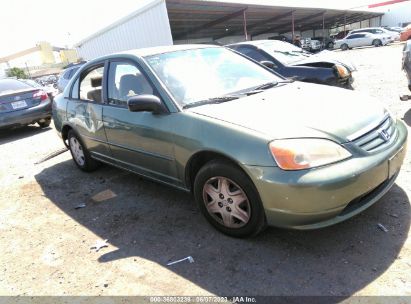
[(199, 159)]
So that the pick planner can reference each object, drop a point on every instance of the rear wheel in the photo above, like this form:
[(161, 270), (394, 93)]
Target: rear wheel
[(44, 123), (344, 47), (228, 199), (80, 154), (377, 43)]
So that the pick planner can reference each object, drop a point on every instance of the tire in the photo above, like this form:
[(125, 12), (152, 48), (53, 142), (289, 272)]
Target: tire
[(80, 154), (344, 47), (235, 197), (377, 42), (45, 123), (330, 45)]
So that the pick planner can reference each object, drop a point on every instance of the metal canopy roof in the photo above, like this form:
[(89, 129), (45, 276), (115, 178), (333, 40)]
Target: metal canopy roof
[(199, 19)]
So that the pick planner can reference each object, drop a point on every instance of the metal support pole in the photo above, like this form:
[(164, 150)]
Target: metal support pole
[(245, 25), (324, 30), (292, 25), (345, 22)]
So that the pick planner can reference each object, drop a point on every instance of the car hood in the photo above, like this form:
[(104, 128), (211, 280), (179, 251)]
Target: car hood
[(299, 110), (326, 57)]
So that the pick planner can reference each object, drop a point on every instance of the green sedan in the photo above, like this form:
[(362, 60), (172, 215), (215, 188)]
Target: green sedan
[(254, 148)]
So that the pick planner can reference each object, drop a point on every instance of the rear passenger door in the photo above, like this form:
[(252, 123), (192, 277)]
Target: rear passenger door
[(140, 141), (85, 109)]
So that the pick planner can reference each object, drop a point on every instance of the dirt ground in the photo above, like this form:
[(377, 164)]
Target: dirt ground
[(45, 242)]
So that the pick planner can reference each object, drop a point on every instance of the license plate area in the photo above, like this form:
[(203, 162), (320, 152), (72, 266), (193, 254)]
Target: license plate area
[(18, 104), (395, 162)]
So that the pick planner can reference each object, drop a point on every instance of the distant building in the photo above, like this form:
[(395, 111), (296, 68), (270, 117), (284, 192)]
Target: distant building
[(396, 12), (41, 57)]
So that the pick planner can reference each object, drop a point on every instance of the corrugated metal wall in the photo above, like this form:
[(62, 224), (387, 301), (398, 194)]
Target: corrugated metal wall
[(397, 14), (149, 27)]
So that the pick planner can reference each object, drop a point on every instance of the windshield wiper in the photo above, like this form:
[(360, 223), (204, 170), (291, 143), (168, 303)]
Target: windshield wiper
[(266, 86), (212, 100)]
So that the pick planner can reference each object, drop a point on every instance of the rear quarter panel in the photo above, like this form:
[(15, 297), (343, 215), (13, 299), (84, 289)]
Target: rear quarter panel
[(59, 112)]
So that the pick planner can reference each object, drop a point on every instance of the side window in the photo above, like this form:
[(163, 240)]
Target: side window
[(378, 31), (66, 74), (90, 84), (361, 35), (253, 54), (124, 81)]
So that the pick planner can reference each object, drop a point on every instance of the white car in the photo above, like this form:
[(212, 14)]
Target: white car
[(390, 35), (361, 39)]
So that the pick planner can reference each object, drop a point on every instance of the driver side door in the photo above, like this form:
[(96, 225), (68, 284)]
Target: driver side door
[(139, 141)]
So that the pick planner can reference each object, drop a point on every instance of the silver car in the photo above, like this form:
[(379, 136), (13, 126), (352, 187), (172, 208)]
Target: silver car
[(390, 35), (360, 39)]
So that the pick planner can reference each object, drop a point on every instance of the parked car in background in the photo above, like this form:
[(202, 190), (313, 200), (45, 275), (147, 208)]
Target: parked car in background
[(406, 62), (379, 31), (67, 74), (22, 104), (50, 89), (281, 38), (340, 35), (310, 45), (315, 46), (326, 43), (359, 40), (394, 28), (291, 61), (253, 148), (406, 33)]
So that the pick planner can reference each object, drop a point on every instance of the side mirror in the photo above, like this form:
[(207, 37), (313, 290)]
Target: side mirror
[(268, 64), (146, 103)]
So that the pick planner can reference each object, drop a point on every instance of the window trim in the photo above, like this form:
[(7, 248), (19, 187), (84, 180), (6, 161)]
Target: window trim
[(96, 65), (139, 67)]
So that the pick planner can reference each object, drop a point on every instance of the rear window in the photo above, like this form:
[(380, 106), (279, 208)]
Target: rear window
[(10, 85)]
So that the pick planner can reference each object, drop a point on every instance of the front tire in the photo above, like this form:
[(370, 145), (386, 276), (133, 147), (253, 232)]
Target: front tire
[(344, 47), (228, 199), (80, 154), (377, 43)]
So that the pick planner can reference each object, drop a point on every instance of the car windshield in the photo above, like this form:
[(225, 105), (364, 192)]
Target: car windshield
[(200, 74), (10, 85), (286, 53)]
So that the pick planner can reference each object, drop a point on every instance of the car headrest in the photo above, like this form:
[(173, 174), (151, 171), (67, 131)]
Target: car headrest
[(96, 81)]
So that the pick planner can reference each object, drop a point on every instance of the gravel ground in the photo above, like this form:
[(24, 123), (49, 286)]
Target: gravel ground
[(45, 242)]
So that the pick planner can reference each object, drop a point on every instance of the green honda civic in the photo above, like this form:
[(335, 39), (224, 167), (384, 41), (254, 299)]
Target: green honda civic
[(254, 148)]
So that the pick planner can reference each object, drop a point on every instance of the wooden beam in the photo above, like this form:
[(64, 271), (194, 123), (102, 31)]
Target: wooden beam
[(209, 24)]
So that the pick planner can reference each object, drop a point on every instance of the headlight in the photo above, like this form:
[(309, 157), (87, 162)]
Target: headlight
[(298, 154), (342, 71)]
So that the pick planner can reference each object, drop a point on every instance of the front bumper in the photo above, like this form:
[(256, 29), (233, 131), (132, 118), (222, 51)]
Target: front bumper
[(26, 116), (316, 198)]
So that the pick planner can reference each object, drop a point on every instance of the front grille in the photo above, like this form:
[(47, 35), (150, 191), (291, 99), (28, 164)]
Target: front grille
[(379, 137)]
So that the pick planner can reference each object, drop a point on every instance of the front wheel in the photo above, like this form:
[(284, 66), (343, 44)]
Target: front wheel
[(344, 47), (377, 43), (228, 199), (80, 154)]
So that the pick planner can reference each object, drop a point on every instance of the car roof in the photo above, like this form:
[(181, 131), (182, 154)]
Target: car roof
[(165, 49), (149, 51)]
